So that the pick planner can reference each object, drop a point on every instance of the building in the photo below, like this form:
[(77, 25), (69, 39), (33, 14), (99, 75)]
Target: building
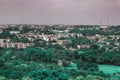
[(108, 43), (63, 42), (1, 31), (60, 63), (104, 26), (16, 45), (72, 34), (80, 35), (101, 40), (50, 37), (53, 37), (91, 37), (45, 37), (117, 43), (83, 46), (63, 35), (14, 32), (5, 40)]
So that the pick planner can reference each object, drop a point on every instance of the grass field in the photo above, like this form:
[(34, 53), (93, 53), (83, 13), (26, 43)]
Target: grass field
[(109, 69)]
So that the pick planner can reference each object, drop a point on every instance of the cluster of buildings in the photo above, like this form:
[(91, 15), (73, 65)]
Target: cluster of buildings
[(55, 38)]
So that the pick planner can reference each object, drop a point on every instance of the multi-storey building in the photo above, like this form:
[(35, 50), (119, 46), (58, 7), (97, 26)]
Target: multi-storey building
[(16, 45)]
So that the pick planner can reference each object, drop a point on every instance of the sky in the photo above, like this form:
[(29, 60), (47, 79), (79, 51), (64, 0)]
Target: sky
[(88, 12)]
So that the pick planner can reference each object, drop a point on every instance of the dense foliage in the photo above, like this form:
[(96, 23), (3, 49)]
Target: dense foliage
[(35, 63)]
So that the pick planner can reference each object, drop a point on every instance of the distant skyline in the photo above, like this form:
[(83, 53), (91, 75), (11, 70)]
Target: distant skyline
[(88, 12)]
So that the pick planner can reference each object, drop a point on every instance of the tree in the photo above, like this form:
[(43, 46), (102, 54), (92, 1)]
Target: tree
[(33, 54)]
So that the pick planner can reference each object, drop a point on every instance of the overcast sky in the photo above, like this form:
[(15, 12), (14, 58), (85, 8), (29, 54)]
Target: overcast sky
[(59, 11)]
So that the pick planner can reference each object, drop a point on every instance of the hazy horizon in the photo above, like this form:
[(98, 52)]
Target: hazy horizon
[(82, 12)]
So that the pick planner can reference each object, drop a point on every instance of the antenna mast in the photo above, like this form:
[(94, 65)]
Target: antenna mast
[(100, 21)]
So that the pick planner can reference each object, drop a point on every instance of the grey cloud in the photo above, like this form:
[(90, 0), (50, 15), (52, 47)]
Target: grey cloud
[(59, 11)]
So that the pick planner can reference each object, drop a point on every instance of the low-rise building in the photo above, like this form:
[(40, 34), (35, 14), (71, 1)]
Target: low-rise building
[(1, 31), (14, 32), (91, 37), (83, 46), (80, 35), (63, 35), (50, 37), (63, 42), (117, 43), (103, 26), (45, 37), (72, 34), (16, 45), (60, 63), (4, 40), (108, 43), (101, 40)]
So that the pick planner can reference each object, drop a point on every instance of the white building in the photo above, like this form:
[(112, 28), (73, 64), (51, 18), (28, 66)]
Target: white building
[(14, 32), (103, 26), (45, 37), (4, 40)]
